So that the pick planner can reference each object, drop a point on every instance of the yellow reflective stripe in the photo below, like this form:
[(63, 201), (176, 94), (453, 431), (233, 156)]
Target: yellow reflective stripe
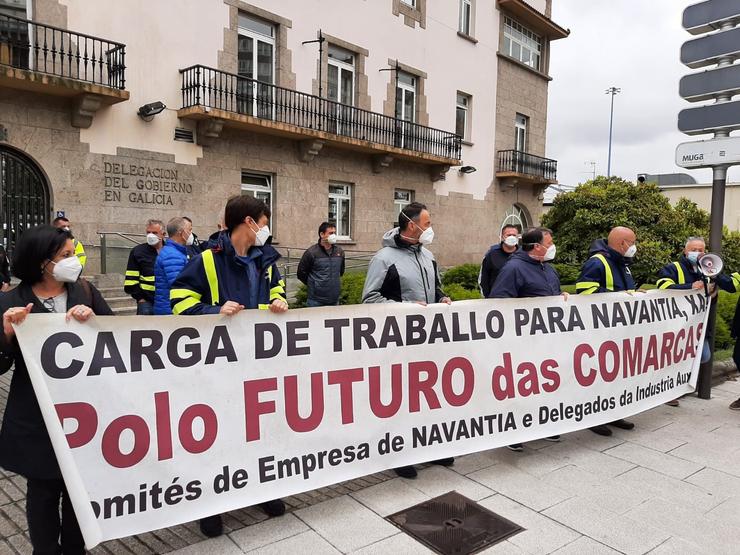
[(263, 306), (269, 274), (681, 276), (587, 291), (147, 278), (146, 287), (277, 289), (608, 272), (736, 280), (184, 304), (665, 283), (132, 273), (584, 284), (80, 252), (209, 264), (128, 282), (184, 293)]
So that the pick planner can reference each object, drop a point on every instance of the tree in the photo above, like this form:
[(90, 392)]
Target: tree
[(580, 217)]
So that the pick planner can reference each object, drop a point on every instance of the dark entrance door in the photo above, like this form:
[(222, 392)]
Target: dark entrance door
[(24, 196)]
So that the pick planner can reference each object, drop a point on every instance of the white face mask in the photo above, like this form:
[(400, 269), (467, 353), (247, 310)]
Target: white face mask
[(631, 252), (511, 241), (550, 254), (189, 240), (427, 236), (261, 236), (66, 228), (332, 239), (67, 270), (152, 239)]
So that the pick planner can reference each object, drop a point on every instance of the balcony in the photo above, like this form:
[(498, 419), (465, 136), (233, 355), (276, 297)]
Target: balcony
[(216, 99), (516, 166), (40, 58)]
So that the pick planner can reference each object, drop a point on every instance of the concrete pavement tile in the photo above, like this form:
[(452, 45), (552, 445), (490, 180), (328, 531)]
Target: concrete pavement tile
[(590, 460), (618, 498), (346, 524), (702, 453), (541, 534), (307, 542), (269, 531), (657, 485), (221, 545), (585, 546), (503, 548), (398, 544), (537, 463), (390, 497), (675, 545), (658, 440), (531, 491), (655, 460), (713, 536), (728, 512), (618, 532), (437, 480), (589, 440), (716, 482), (654, 419), (474, 461)]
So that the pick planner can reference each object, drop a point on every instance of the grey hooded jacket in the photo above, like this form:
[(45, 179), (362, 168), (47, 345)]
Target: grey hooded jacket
[(401, 272)]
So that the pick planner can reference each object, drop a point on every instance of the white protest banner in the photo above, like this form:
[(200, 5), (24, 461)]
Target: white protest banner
[(161, 420)]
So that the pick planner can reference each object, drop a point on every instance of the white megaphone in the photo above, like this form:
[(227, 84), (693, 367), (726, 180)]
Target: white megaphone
[(710, 265)]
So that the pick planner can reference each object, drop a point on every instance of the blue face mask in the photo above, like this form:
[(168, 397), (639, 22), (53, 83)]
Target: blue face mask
[(693, 257)]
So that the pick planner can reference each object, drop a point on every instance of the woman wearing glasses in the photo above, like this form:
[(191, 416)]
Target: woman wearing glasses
[(45, 262)]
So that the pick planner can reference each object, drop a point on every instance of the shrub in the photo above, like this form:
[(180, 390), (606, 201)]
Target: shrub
[(722, 339), (457, 292), (465, 275), (568, 272)]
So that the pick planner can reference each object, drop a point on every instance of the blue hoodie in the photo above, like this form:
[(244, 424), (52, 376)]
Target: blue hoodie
[(523, 276), (171, 260)]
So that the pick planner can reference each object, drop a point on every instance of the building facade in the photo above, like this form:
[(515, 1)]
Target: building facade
[(343, 110)]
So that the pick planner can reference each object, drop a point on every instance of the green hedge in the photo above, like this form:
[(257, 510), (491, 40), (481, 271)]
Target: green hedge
[(351, 292)]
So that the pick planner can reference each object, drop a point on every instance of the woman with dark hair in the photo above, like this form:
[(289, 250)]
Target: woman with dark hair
[(45, 262)]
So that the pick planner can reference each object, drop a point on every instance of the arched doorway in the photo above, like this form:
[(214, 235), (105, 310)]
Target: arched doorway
[(518, 217), (24, 196)]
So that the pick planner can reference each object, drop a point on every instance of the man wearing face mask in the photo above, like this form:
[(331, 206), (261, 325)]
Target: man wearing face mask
[(606, 271), (322, 267), (526, 274), (239, 273), (63, 223), (171, 260), (405, 271), (496, 257), (140, 281), (685, 274)]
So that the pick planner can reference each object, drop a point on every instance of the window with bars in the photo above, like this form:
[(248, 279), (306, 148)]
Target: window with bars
[(522, 44)]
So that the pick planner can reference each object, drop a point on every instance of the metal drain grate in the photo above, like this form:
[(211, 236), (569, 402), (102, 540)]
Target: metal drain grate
[(454, 525)]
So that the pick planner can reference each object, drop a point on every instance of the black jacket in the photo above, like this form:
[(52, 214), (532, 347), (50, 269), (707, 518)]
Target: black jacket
[(4, 266), (25, 447), (139, 282), (321, 271), (492, 263), (523, 276)]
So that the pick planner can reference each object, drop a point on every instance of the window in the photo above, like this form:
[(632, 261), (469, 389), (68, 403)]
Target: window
[(520, 133), (401, 199), (517, 217), (466, 15), (16, 8), (258, 185), (405, 109), (341, 88), (340, 209), (461, 115), (522, 44), (411, 3), (256, 62)]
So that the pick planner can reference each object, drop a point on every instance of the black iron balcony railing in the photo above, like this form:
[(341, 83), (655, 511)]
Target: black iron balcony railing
[(213, 88), (25, 44), (517, 161)]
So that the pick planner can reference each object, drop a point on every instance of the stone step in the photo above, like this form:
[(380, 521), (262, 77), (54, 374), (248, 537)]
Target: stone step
[(124, 310), (119, 301)]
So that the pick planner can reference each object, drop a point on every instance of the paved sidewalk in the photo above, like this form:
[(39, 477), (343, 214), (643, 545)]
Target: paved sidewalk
[(672, 485)]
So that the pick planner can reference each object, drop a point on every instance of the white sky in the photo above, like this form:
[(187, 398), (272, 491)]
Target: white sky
[(633, 45)]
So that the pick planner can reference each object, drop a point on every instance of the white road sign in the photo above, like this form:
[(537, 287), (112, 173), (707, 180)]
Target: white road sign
[(713, 152)]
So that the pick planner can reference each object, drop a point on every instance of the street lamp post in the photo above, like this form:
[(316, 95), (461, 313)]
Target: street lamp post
[(612, 91)]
